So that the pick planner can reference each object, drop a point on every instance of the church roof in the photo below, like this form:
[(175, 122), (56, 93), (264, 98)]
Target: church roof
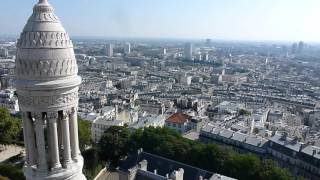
[(164, 166)]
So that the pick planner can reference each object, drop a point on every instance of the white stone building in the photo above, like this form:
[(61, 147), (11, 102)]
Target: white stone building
[(99, 126), (8, 100), (149, 121)]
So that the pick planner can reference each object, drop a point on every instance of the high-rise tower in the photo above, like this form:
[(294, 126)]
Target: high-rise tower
[(109, 50), (127, 48), (47, 87), (188, 51)]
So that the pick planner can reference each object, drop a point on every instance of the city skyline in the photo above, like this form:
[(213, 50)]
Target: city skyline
[(228, 20)]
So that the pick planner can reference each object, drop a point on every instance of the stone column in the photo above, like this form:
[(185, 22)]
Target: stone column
[(41, 146), (52, 118), (60, 134), (66, 138), (25, 137), (31, 143), (74, 134)]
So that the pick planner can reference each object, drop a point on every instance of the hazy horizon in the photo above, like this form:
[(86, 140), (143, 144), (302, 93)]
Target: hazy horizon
[(249, 20)]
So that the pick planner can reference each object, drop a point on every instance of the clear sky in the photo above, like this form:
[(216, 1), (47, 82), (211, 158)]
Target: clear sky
[(216, 19)]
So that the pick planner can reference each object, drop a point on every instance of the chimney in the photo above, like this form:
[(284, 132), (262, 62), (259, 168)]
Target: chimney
[(155, 171), (177, 175), (143, 165), (116, 113), (314, 152), (200, 178), (140, 150)]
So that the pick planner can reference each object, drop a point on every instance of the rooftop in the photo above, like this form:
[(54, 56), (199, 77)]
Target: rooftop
[(164, 166), (179, 118), (287, 142)]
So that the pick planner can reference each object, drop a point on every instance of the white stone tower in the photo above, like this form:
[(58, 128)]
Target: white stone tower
[(47, 87)]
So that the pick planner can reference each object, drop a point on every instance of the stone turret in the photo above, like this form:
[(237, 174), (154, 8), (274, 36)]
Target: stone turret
[(47, 87)]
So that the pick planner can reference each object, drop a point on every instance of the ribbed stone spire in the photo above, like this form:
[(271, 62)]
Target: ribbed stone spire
[(43, 6), (42, 34)]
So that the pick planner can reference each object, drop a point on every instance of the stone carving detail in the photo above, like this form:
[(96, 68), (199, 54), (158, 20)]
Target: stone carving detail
[(66, 113), (48, 68), (45, 16), (52, 116), (35, 40), (37, 117), (48, 100)]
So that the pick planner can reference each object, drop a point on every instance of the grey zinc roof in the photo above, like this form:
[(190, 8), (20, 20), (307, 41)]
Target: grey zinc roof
[(239, 127), (163, 166), (237, 136), (288, 142), (216, 131), (226, 133), (310, 151), (220, 177), (255, 141), (108, 122), (207, 128)]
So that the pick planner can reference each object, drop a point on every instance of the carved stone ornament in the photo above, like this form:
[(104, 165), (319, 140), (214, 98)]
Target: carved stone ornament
[(48, 100)]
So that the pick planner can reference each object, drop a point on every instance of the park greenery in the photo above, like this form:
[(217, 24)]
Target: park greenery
[(10, 128), (92, 162), (12, 168), (118, 142), (84, 129), (10, 171), (244, 112)]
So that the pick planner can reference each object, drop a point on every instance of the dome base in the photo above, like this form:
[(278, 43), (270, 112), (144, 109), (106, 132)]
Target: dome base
[(73, 172)]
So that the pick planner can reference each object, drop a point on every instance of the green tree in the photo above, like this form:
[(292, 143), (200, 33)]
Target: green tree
[(243, 112), (11, 171), (84, 128), (117, 142), (92, 163), (114, 144), (9, 127), (3, 178), (270, 171)]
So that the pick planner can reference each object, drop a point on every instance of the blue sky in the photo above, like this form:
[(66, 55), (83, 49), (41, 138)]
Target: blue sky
[(216, 19)]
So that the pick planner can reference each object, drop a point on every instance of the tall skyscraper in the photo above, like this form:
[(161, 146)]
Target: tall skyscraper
[(47, 86), (4, 52), (300, 46), (188, 51), (294, 48), (109, 50), (127, 48), (164, 51), (208, 42)]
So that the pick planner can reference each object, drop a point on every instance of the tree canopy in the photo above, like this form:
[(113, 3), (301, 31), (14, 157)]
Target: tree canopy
[(11, 171), (243, 112), (9, 127), (114, 144), (118, 142), (84, 128)]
